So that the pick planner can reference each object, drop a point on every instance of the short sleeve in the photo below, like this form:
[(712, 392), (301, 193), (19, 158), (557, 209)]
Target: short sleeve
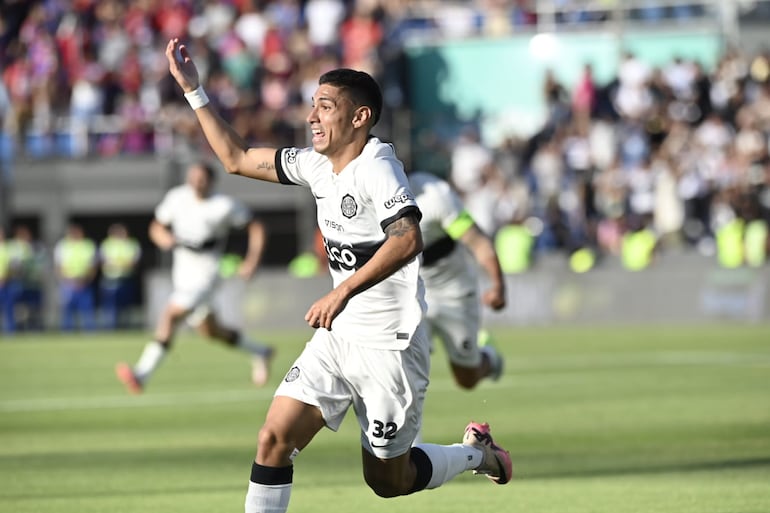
[(294, 165), (164, 212), (387, 186), (455, 220)]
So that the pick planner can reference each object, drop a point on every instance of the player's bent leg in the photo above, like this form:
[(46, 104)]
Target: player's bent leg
[(261, 353), (168, 321), (494, 361), (390, 477), (288, 428), (424, 467), (207, 325), (467, 377), (135, 378)]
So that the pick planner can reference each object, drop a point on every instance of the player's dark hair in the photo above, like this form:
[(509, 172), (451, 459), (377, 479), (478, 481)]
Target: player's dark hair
[(211, 173), (360, 87)]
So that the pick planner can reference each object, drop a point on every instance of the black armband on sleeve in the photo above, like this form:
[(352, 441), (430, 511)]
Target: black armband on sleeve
[(407, 211)]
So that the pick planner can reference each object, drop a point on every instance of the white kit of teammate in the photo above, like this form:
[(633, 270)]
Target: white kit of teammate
[(452, 242), (201, 227), (194, 222)]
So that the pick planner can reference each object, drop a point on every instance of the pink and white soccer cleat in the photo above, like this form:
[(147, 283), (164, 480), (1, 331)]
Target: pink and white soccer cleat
[(126, 375), (260, 367), (496, 463)]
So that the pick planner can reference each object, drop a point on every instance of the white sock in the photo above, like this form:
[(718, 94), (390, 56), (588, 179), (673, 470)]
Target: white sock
[(151, 357), (450, 460), (267, 498), (256, 348)]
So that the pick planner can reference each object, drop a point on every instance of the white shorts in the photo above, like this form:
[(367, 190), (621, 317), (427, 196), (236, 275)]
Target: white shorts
[(456, 322), (195, 278), (385, 387)]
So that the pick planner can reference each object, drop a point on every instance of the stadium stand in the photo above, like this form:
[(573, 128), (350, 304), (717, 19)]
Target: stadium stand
[(679, 143)]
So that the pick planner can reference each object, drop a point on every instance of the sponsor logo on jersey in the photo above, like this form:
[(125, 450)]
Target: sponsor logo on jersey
[(334, 225), (291, 155), (348, 257), (399, 198), (349, 206)]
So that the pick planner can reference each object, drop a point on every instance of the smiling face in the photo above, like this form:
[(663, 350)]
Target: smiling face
[(337, 124)]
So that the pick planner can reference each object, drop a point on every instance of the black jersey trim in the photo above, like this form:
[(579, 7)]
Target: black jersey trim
[(282, 177), (407, 210), (442, 248), (206, 245)]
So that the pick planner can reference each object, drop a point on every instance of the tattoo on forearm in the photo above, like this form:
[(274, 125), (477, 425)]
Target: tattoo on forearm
[(266, 165), (401, 226)]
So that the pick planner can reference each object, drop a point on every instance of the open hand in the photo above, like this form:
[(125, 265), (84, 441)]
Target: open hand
[(181, 66)]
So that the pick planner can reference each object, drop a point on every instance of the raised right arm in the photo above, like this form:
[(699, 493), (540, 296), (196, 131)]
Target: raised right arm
[(236, 156)]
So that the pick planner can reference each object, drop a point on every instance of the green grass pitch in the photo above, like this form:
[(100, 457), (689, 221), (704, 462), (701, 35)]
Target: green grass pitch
[(598, 420)]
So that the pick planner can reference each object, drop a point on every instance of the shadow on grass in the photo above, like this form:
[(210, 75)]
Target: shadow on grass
[(238, 485)]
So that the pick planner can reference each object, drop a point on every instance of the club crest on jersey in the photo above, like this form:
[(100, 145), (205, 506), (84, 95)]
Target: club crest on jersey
[(292, 375), (291, 155), (349, 206)]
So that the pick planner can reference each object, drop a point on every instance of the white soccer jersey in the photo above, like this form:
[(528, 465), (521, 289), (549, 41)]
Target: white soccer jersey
[(200, 227), (354, 207), (448, 268)]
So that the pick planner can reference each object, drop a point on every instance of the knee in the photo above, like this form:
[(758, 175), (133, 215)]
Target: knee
[(273, 447)]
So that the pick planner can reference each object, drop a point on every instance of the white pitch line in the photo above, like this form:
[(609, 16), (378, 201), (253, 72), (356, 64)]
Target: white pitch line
[(125, 401)]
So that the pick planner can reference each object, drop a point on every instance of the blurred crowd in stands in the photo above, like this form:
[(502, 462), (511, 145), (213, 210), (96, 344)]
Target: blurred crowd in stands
[(87, 76), (675, 150)]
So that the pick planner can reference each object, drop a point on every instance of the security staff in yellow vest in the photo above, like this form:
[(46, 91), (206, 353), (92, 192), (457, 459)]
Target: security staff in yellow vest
[(638, 244), (75, 259), (25, 284), (514, 244), (119, 255), (729, 239), (755, 242), (755, 231)]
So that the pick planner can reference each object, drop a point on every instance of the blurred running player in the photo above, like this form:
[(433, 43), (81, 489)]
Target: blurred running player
[(193, 221), (454, 248)]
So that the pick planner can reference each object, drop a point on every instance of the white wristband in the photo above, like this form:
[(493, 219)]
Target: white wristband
[(197, 98)]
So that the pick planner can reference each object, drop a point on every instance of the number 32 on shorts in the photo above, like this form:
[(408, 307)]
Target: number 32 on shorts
[(385, 430)]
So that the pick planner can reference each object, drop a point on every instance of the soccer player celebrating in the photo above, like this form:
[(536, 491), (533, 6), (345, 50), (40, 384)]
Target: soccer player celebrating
[(193, 221), (369, 340)]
